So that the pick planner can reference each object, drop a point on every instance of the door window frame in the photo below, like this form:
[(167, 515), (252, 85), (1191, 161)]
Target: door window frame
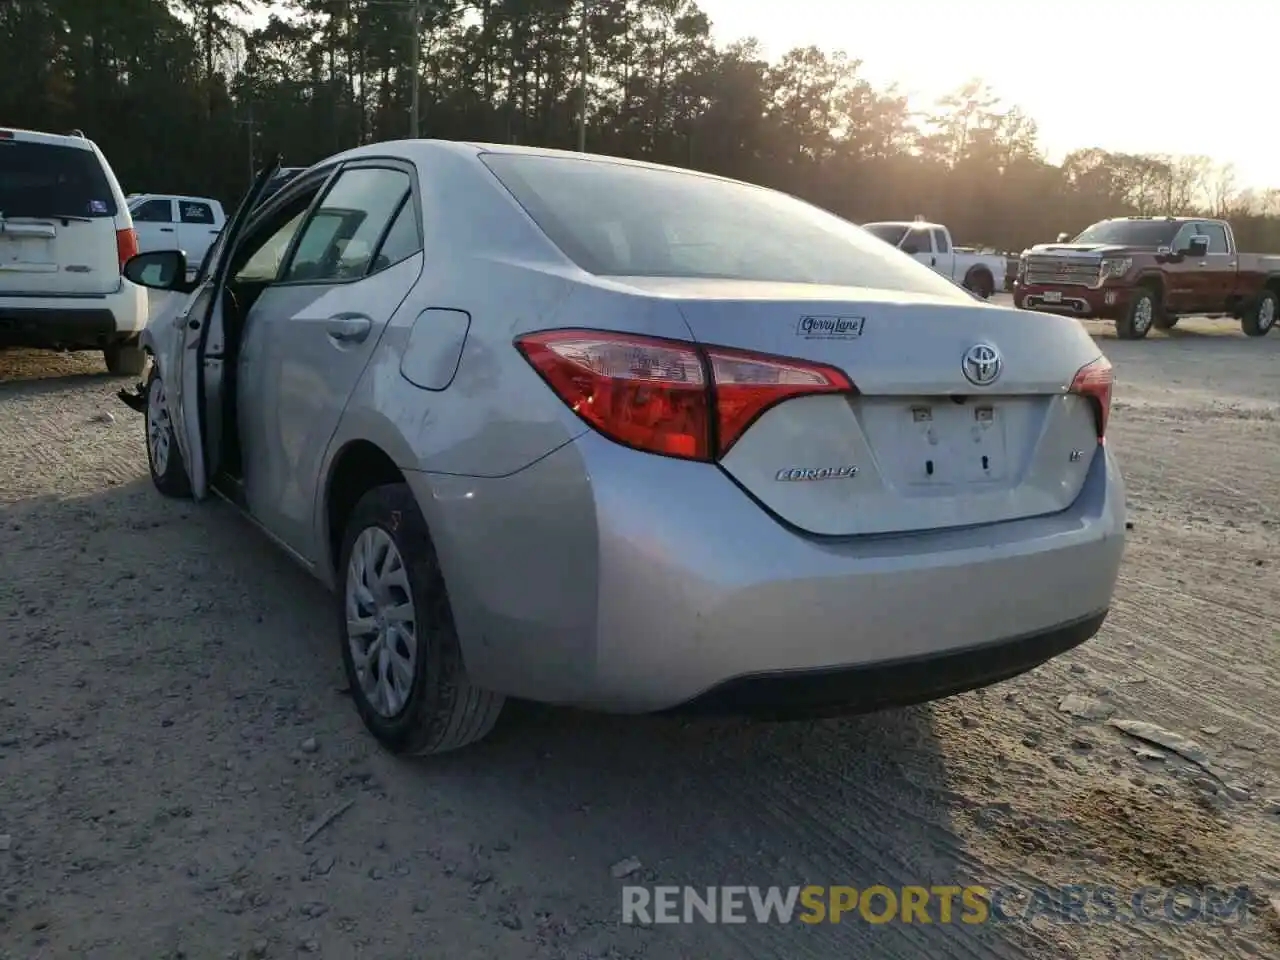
[(207, 207), (925, 234), (364, 163), (1221, 229), (267, 218), (154, 200)]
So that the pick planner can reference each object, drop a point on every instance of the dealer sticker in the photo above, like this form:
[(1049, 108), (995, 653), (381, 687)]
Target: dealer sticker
[(826, 327)]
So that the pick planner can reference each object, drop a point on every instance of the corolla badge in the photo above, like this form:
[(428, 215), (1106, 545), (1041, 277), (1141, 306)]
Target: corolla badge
[(982, 364), (844, 472)]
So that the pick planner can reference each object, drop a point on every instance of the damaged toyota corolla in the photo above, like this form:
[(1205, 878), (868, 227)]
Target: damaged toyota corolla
[(602, 433)]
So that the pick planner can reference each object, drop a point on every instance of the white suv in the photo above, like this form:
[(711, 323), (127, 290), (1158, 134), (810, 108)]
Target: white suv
[(65, 232)]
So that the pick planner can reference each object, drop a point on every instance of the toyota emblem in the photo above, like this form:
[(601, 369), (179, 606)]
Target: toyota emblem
[(982, 364)]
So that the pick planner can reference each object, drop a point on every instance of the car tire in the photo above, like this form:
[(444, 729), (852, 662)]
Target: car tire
[(1261, 317), (1140, 317), (392, 599), (168, 472), (125, 359), (981, 283)]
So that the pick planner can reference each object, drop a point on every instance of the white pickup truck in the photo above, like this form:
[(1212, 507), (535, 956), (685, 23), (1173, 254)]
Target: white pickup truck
[(930, 243), (165, 221)]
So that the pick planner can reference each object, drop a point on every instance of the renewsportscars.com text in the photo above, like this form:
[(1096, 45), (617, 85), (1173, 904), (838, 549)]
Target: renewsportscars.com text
[(1078, 903)]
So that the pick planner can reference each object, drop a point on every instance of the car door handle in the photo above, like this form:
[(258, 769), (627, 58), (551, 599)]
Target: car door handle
[(349, 327), (166, 229)]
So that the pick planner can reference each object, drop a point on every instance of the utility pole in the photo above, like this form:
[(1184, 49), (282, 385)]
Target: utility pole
[(252, 126), (415, 54), (582, 70)]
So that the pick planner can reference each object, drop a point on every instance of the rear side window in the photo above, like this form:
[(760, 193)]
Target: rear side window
[(192, 212), (47, 180), (615, 219), (940, 241), (153, 211), (402, 240)]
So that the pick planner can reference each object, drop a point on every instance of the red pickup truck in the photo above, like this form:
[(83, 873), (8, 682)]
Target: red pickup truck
[(1144, 272)]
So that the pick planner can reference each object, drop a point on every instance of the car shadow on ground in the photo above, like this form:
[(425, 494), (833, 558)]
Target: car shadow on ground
[(174, 596)]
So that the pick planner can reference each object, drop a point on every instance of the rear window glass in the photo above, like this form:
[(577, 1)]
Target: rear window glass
[(44, 180), (614, 219)]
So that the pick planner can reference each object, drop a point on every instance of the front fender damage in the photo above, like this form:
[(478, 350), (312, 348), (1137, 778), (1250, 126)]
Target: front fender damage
[(136, 398)]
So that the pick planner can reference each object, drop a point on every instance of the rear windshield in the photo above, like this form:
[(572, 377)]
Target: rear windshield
[(613, 219), (45, 180)]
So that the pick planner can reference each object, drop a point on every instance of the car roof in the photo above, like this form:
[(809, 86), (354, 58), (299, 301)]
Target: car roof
[(74, 140), (422, 148)]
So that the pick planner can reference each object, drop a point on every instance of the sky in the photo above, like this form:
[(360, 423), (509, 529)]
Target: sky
[(1137, 76), (1130, 76)]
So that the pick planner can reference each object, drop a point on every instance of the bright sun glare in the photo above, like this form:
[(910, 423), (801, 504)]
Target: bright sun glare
[(1138, 76)]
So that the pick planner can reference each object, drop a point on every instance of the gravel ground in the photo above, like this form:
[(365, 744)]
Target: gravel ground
[(173, 726)]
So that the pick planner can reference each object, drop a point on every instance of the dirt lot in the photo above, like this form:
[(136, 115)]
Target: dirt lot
[(172, 725)]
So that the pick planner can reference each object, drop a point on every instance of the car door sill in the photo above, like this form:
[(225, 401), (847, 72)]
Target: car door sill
[(231, 490)]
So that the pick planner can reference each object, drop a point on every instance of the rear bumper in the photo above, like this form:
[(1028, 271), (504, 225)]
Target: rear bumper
[(73, 322), (1105, 303), (892, 683), (612, 579)]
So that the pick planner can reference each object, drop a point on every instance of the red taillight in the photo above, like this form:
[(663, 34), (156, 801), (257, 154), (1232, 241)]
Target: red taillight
[(126, 245), (6, 134), (1095, 380), (747, 385), (666, 396)]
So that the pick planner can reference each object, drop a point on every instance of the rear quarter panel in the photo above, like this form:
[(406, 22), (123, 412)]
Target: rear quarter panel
[(1253, 273)]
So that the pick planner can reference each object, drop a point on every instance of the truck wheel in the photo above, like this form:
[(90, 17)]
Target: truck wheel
[(1139, 318), (980, 282), (1261, 317)]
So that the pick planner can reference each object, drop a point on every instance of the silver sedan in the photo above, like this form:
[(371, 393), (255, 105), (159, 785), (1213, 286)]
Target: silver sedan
[(596, 432)]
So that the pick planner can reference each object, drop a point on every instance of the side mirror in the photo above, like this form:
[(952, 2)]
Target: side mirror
[(1197, 246), (909, 248), (157, 269), (1063, 237)]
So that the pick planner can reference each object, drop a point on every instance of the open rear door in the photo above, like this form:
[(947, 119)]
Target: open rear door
[(196, 407)]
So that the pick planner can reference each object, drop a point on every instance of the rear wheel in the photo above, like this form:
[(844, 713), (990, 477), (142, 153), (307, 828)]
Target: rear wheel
[(124, 359), (399, 644), (168, 472), (1261, 317), (981, 283), (1139, 318)]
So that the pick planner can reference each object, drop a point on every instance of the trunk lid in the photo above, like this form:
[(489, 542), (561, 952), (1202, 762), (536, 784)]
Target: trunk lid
[(57, 220), (922, 446)]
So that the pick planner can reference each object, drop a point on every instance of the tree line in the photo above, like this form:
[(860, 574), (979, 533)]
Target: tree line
[(188, 95)]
